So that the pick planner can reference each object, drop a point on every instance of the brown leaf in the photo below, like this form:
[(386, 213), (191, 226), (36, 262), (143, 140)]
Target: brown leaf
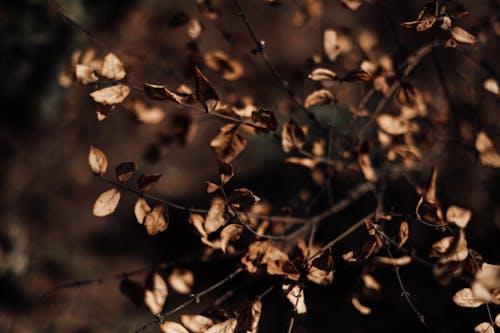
[(230, 233), (401, 261), (228, 143), (205, 91), (266, 118), (111, 95), (98, 161), (357, 75), (156, 294), (352, 4), (459, 216), (215, 216), (465, 298), (106, 203), (145, 182), (371, 283), (181, 280), (318, 97), (197, 221), (364, 310), (160, 92), (491, 85), (462, 36), (157, 220), (227, 326), (133, 290), (404, 232), (292, 136), (226, 172), (172, 327), (194, 28), (220, 62), (321, 271), (243, 198), (141, 210), (393, 125), (366, 167), (112, 67), (426, 23), (211, 187), (256, 311), (304, 161), (322, 74), (331, 45), (85, 74), (196, 323), (146, 114), (125, 171), (296, 297), (487, 152), (484, 328)]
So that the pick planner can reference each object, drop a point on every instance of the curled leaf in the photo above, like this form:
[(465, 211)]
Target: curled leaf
[(404, 232), (318, 97), (295, 296), (220, 62), (322, 74), (230, 233), (243, 198), (160, 92), (205, 91), (292, 136), (364, 310)]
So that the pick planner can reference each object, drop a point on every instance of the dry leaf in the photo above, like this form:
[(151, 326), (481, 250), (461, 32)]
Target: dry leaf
[(147, 115), (304, 161), (357, 75), (371, 283), (197, 221), (112, 67), (366, 167), (404, 232), (230, 233), (428, 208), (227, 326), (215, 216), (220, 62), (194, 28), (228, 144), (292, 136), (111, 95), (489, 276), (85, 74), (256, 311), (322, 74), (157, 220), (465, 298), (491, 85), (459, 216), (318, 97), (484, 328), (205, 91), (296, 298), (160, 92), (145, 182), (401, 261), (462, 36), (141, 210), (106, 203), (125, 171), (181, 280), (155, 297), (226, 172), (352, 4), (331, 45), (243, 198), (487, 152), (426, 23), (211, 187), (364, 310), (98, 161), (196, 323), (266, 118), (393, 125), (172, 327)]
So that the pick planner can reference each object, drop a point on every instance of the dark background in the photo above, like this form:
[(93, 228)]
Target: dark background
[(47, 232)]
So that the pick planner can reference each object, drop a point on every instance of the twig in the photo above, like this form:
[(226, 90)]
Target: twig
[(161, 317), (260, 49)]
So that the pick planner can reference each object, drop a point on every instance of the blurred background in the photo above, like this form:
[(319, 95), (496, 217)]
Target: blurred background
[(49, 236)]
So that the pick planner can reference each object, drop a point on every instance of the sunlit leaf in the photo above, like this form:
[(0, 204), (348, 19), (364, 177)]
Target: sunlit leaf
[(465, 298), (157, 220), (98, 161), (484, 328), (318, 97), (156, 294), (172, 327), (364, 310), (220, 62), (112, 67), (227, 326), (106, 203), (459, 216), (215, 216), (111, 95), (141, 210), (146, 114), (243, 198), (487, 152), (230, 233), (296, 297), (196, 323), (322, 74), (228, 143), (462, 36), (181, 280), (292, 136)]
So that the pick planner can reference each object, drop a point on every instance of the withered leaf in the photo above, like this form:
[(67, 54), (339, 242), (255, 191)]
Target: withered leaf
[(466, 298), (321, 271), (146, 114), (160, 92), (157, 220), (205, 91), (370, 282), (181, 280), (141, 210), (227, 326), (318, 97), (106, 203), (156, 294), (196, 323), (125, 171), (211, 187), (331, 45), (145, 182), (228, 143), (401, 261), (296, 297), (459, 216), (243, 198), (357, 75), (265, 117), (112, 67), (487, 152), (133, 290), (292, 136), (404, 232), (491, 85), (215, 216), (172, 327), (256, 311), (364, 310), (462, 36), (484, 327), (98, 161), (230, 233), (197, 221), (85, 74), (393, 125), (322, 74), (194, 28), (111, 95), (426, 23), (366, 167), (220, 62), (226, 172), (352, 4)]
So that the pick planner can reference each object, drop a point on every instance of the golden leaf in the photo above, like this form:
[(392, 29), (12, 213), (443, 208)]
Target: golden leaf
[(111, 95), (106, 203), (181, 280), (98, 161)]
